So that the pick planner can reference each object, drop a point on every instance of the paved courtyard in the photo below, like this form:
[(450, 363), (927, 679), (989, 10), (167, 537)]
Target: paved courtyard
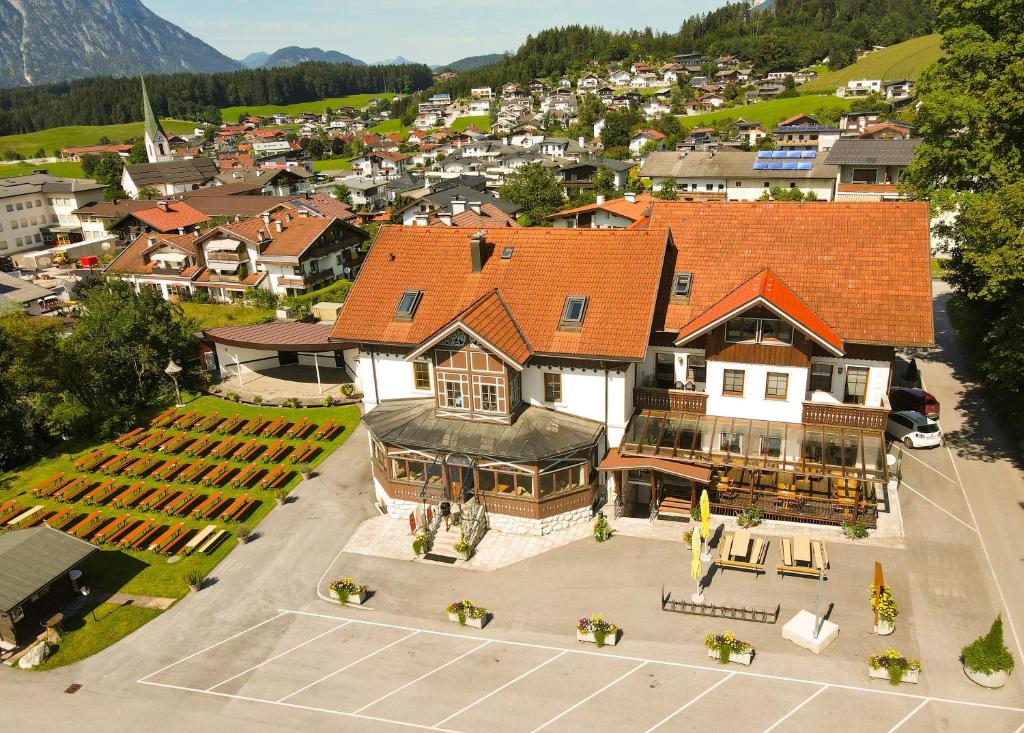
[(291, 380), (466, 680)]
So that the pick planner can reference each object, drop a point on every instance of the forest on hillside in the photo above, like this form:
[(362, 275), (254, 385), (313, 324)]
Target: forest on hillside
[(791, 35), (112, 100)]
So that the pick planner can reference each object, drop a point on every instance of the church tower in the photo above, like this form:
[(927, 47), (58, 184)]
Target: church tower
[(158, 147)]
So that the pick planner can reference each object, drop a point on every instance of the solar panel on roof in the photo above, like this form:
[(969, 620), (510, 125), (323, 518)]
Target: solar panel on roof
[(760, 166), (804, 166), (809, 153), (775, 165), (789, 165), (764, 153), (778, 153), (793, 153)]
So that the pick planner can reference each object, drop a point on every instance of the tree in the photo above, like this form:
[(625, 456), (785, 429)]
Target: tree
[(343, 193), (667, 191), (533, 187), (972, 163), (108, 169), (618, 127), (16, 429), (138, 152), (40, 153), (148, 193), (603, 181)]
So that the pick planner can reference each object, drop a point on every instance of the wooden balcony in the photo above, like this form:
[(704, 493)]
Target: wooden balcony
[(222, 256), (225, 277), (847, 416), (673, 400)]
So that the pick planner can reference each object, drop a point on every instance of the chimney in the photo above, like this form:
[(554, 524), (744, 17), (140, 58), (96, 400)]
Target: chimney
[(474, 206), (600, 199), (278, 226), (458, 205), (163, 205), (582, 142), (445, 217), (266, 218), (476, 245), (630, 196)]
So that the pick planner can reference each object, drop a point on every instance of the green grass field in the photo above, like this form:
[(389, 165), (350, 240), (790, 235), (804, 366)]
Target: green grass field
[(770, 112), (62, 137), (389, 126), (903, 61), (359, 101), (332, 164), (482, 123), (67, 170), (214, 315), (96, 630)]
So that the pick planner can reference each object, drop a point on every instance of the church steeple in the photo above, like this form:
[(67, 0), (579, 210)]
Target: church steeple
[(158, 147)]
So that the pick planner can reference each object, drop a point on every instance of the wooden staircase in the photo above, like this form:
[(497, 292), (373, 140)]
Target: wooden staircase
[(674, 506)]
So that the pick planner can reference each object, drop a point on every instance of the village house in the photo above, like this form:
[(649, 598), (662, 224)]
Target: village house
[(859, 88), (579, 175), (644, 138), (870, 170), (617, 213), (629, 369), (35, 207), (620, 78), (854, 123), (27, 296), (812, 136)]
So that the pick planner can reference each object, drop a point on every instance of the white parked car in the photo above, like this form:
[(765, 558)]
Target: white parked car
[(914, 429)]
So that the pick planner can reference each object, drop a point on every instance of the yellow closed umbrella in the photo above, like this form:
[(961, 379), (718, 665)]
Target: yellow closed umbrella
[(705, 514), (696, 570)]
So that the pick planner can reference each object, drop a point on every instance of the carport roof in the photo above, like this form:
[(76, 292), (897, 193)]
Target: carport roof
[(536, 434), (31, 558), (277, 336)]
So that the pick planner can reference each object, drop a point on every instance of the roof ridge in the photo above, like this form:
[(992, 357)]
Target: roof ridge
[(515, 322)]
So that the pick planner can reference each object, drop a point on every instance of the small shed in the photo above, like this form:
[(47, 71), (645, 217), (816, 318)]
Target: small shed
[(35, 580)]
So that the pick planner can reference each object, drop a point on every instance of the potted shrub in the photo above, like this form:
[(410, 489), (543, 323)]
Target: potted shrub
[(887, 609), (601, 529), (346, 591), (292, 402), (986, 660), (305, 471), (423, 541), (194, 579), (727, 648), (463, 548), (467, 613), (347, 389), (893, 666), (328, 401), (751, 517), (244, 533), (855, 531), (281, 496), (596, 630), (257, 400)]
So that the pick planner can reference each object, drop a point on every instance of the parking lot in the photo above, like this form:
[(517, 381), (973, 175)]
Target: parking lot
[(468, 680)]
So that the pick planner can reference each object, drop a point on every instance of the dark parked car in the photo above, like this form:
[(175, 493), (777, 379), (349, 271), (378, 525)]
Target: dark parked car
[(917, 400)]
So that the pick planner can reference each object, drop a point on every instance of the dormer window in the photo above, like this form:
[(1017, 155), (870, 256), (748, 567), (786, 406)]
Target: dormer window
[(681, 285), (407, 305), (573, 312)]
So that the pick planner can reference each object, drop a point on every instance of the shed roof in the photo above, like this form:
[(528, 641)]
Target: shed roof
[(32, 558)]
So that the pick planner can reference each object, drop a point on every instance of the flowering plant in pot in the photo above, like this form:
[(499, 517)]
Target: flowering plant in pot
[(987, 661), (467, 613), (886, 607), (464, 548), (601, 529), (727, 648), (346, 591), (893, 666), (597, 630)]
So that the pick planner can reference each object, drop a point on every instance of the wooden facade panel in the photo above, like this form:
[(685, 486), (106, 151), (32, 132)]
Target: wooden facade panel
[(797, 355)]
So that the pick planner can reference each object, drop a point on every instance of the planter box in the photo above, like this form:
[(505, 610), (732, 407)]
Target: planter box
[(884, 628), (744, 659), (357, 599), (610, 639), (994, 680), (477, 623), (910, 675)]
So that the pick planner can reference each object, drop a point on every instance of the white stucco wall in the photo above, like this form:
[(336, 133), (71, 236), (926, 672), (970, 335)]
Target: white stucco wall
[(878, 381), (394, 378), (583, 392), (257, 360), (753, 403)]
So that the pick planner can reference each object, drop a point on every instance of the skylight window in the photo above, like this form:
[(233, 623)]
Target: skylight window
[(407, 305), (506, 253), (573, 312), (681, 285)]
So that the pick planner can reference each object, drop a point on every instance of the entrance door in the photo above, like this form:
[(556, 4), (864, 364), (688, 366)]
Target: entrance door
[(288, 357)]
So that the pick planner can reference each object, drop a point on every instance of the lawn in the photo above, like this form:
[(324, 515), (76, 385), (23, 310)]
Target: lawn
[(902, 61), (770, 112), (67, 170), (482, 123), (332, 164), (939, 268), (359, 101), (145, 572), (214, 315), (85, 636), (387, 126), (61, 137)]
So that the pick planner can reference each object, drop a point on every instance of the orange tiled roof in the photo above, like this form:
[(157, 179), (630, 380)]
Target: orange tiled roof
[(131, 261), (177, 214), (488, 319), (617, 270), (633, 210), (295, 237), (863, 267), (766, 288)]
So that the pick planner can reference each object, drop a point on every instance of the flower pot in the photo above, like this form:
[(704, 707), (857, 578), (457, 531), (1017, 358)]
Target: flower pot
[(477, 623), (194, 587), (306, 475), (610, 639), (357, 599), (884, 628), (994, 680), (910, 675), (744, 659)]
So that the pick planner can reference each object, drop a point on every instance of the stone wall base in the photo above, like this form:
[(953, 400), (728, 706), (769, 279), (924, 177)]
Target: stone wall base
[(537, 527)]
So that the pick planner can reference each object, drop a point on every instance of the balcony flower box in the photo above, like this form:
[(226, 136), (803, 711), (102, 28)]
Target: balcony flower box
[(468, 613), (346, 591), (891, 665), (737, 651)]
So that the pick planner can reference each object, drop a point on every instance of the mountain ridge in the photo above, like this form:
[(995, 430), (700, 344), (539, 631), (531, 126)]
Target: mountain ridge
[(294, 55)]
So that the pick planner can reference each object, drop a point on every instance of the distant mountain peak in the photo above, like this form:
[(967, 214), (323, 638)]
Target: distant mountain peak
[(292, 55), (396, 61)]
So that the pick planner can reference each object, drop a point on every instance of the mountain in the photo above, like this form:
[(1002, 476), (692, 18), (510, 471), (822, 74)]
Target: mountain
[(293, 55), (471, 62), (254, 60), (396, 61), (44, 41)]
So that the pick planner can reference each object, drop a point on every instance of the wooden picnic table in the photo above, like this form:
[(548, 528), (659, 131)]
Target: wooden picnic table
[(135, 534), (199, 538), (57, 519), (741, 543), (802, 548), (818, 548)]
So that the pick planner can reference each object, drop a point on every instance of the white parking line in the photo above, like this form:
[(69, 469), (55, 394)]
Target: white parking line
[(278, 656), (778, 722), (421, 677), (347, 666), (929, 466), (206, 649), (591, 696), (905, 485), (691, 702), (908, 716), (479, 700)]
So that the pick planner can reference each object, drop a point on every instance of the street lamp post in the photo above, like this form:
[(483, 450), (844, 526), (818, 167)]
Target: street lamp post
[(172, 371)]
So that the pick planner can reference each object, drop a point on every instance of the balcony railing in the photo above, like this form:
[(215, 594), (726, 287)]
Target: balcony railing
[(224, 277), (847, 416), (672, 400), (222, 256)]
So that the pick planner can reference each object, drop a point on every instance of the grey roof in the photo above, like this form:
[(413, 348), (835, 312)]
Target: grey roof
[(615, 165), (43, 183), (189, 170), (445, 195), (723, 165), (16, 290), (31, 558), (262, 176), (536, 434), (872, 152)]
